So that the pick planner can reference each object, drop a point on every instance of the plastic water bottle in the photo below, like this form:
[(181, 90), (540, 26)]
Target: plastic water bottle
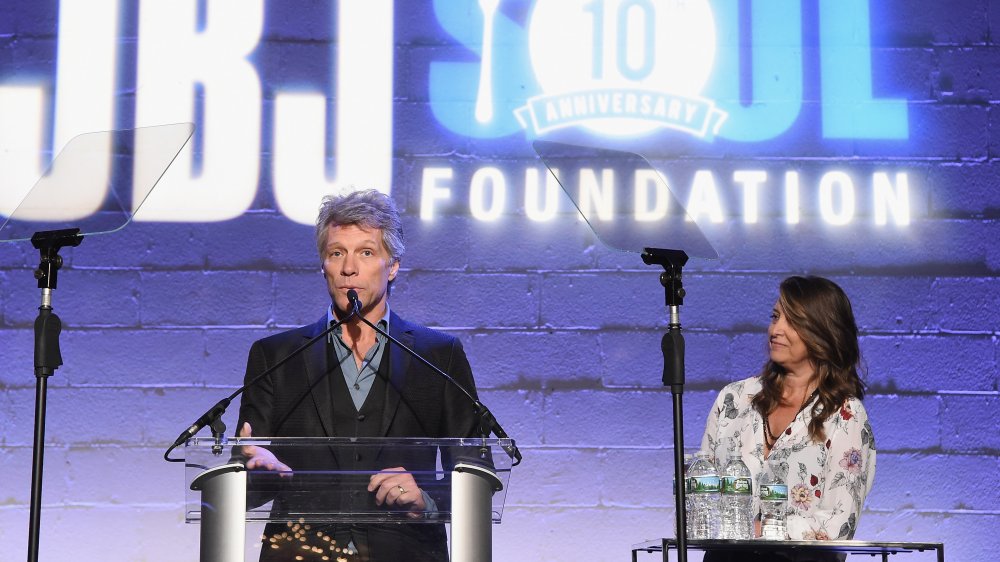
[(703, 490), (687, 492), (737, 498), (773, 499), (687, 463), (688, 459)]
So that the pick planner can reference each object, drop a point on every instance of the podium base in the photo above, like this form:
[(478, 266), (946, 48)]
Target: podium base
[(223, 511)]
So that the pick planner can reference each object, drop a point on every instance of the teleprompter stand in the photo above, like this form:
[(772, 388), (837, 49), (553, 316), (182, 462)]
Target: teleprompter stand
[(630, 179), (672, 346), (94, 186), (47, 359)]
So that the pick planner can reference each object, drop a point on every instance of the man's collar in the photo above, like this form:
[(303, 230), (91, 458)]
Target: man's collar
[(382, 323)]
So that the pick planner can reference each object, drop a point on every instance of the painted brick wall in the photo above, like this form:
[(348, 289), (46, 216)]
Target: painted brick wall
[(563, 334)]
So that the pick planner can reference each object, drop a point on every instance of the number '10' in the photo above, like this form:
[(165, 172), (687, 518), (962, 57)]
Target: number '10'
[(645, 12)]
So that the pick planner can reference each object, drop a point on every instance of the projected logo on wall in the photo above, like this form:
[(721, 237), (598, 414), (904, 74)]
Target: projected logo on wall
[(641, 70), (719, 73), (616, 67)]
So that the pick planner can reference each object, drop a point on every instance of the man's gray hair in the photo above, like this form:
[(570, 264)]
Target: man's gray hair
[(367, 208)]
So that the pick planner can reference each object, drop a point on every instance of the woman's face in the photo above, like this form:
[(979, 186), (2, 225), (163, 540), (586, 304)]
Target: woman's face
[(786, 347)]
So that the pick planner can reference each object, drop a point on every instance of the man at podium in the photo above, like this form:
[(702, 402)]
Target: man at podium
[(359, 384)]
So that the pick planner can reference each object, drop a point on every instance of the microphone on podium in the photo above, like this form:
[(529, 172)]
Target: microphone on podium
[(213, 417), (487, 422)]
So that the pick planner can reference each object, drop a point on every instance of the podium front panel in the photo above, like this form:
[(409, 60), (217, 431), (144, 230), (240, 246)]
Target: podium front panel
[(326, 480)]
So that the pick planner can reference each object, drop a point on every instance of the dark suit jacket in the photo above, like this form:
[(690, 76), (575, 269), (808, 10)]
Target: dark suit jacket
[(296, 401)]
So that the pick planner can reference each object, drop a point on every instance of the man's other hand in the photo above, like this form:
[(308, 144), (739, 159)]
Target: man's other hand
[(259, 458)]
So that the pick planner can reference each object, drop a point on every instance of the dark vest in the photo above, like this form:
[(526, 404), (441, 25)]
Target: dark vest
[(395, 542), (349, 421)]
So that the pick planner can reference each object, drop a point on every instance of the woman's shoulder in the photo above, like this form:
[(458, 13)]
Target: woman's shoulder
[(853, 407), (748, 386), (742, 390)]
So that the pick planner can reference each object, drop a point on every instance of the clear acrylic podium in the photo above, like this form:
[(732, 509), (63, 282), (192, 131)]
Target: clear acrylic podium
[(464, 479)]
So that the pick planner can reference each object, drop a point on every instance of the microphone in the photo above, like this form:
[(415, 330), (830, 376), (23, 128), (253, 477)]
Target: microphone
[(213, 416), (352, 298), (487, 422)]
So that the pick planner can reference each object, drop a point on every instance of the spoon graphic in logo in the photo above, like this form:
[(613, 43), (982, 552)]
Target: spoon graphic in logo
[(484, 97)]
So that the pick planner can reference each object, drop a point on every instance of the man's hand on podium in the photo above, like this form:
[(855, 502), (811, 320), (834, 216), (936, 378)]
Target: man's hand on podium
[(259, 458), (396, 487)]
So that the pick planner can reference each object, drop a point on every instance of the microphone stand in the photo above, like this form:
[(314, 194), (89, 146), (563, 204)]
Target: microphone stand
[(213, 417), (672, 346), (487, 422)]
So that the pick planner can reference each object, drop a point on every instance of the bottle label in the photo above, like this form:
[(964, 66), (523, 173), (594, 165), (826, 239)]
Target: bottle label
[(703, 484), (738, 485), (773, 492)]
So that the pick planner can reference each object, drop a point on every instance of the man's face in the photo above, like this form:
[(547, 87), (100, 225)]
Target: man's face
[(355, 258)]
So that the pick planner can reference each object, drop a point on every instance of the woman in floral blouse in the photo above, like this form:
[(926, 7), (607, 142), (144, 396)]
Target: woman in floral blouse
[(801, 419)]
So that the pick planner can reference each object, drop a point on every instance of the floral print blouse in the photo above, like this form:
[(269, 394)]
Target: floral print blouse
[(827, 482)]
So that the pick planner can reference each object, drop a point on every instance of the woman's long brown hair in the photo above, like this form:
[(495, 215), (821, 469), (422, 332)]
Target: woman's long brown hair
[(818, 309)]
